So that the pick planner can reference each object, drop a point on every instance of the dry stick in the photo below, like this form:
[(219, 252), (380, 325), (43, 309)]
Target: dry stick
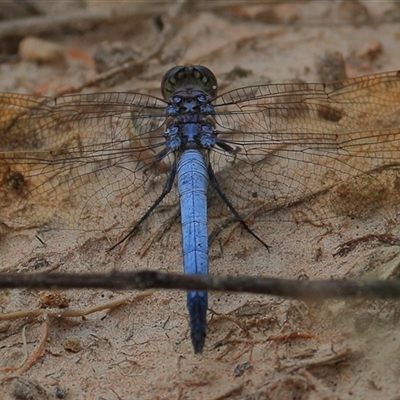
[(40, 349), (29, 362), (34, 357), (80, 20), (140, 280), (85, 19), (128, 67), (74, 313), (25, 350)]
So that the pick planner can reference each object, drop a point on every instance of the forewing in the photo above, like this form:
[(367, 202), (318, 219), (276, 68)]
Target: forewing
[(80, 161), (293, 141)]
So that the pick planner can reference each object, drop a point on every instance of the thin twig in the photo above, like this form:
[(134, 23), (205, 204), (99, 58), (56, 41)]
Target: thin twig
[(74, 313), (140, 280)]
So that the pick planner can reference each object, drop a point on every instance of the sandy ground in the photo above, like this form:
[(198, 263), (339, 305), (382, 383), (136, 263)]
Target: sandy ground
[(257, 347)]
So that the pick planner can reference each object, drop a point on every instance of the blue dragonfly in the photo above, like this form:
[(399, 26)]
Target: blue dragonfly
[(93, 161)]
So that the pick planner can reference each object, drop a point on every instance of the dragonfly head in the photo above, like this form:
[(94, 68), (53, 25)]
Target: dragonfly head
[(189, 77)]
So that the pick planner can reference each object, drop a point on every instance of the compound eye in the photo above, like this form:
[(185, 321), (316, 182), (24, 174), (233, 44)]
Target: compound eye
[(184, 77)]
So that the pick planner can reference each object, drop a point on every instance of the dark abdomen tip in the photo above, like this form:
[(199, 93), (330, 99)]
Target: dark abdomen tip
[(197, 306)]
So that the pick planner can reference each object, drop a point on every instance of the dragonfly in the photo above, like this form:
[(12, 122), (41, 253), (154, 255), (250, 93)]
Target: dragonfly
[(95, 161)]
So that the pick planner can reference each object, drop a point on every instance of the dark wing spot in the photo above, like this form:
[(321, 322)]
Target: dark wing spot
[(15, 180), (329, 114)]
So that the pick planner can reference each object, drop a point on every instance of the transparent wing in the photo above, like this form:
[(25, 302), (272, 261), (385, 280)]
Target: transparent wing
[(80, 160), (89, 160), (294, 141)]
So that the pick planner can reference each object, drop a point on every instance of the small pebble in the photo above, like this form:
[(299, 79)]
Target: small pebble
[(49, 298), (39, 50), (26, 389), (353, 11), (370, 50), (109, 55), (331, 66), (73, 345)]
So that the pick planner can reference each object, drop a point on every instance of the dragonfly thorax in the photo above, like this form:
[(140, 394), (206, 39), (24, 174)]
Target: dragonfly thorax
[(190, 123)]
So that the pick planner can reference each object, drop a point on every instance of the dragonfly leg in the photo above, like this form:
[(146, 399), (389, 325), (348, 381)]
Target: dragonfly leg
[(214, 183), (166, 189)]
